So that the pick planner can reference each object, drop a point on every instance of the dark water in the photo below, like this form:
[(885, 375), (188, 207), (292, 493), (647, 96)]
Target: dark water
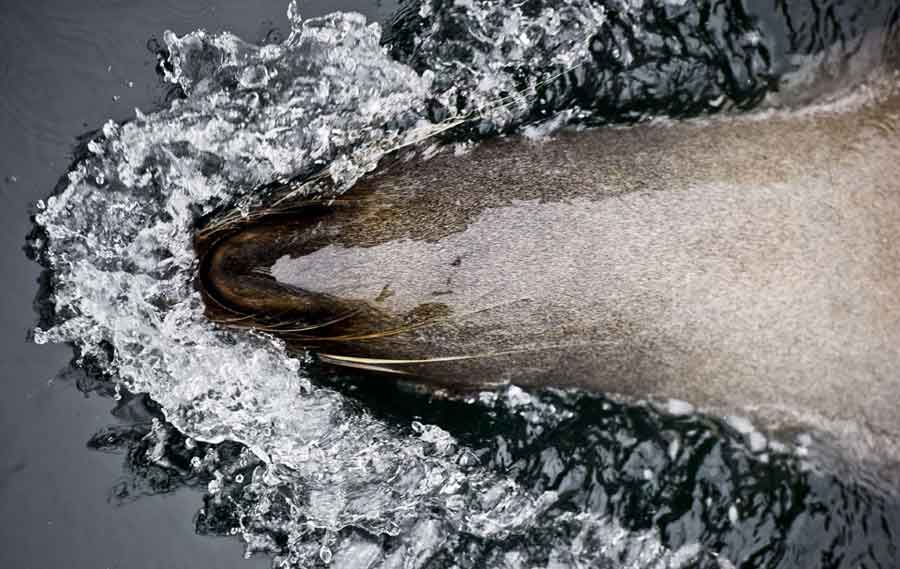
[(68, 68)]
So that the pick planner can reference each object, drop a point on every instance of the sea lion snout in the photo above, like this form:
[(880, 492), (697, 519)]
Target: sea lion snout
[(239, 288), (235, 278)]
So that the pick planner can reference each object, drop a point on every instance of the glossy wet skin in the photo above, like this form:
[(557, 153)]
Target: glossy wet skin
[(747, 266)]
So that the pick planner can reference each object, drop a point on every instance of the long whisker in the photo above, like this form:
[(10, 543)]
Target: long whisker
[(372, 361), (317, 326), (235, 216), (219, 304), (439, 359), (243, 318), (403, 329), (360, 365)]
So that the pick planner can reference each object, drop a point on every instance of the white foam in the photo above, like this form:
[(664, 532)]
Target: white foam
[(678, 407), (121, 245)]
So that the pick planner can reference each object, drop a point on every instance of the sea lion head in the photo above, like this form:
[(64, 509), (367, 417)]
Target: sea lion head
[(239, 290)]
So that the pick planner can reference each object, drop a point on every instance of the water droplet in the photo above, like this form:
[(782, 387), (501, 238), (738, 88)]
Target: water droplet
[(757, 442), (95, 148), (293, 14), (325, 554), (254, 77)]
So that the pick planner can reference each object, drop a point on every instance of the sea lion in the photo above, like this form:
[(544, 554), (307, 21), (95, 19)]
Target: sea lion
[(746, 265)]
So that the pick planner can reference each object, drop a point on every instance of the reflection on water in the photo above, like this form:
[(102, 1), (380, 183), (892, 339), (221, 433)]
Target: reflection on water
[(357, 475), (686, 484)]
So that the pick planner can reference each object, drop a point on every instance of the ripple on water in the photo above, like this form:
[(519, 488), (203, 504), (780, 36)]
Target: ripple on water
[(322, 473)]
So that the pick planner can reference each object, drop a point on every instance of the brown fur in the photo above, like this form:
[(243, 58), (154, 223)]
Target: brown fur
[(748, 266)]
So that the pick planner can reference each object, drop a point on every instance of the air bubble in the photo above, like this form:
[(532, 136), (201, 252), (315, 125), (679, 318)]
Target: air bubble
[(95, 148)]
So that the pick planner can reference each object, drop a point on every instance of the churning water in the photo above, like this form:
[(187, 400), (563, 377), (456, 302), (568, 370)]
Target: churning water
[(317, 470)]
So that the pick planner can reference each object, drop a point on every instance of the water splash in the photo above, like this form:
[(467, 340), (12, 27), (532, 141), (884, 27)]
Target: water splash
[(119, 243), (318, 478)]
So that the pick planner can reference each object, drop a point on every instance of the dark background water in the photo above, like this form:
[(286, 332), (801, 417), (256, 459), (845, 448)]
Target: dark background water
[(69, 67), (66, 68)]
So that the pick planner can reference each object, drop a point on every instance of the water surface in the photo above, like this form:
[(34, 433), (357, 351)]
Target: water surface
[(264, 446)]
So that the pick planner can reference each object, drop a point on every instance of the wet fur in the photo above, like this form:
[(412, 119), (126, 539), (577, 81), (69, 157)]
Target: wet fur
[(749, 266)]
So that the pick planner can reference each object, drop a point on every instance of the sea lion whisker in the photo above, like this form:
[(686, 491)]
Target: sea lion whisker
[(229, 321), (410, 327), (479, 113), (358, 365), (400, 329), (219, 305), (368, 361), (298, 187), (314, 326), (439, 359), (235, 215), (510, 99), (433, 131), (377, 335)]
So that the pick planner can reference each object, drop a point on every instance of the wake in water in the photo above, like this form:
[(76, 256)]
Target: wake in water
[(319, 478)]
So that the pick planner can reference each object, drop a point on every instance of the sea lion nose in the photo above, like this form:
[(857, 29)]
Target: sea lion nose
[(234, 276), (238, 287)]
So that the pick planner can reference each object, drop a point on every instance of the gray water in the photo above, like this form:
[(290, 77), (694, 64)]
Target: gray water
[(345, 472)]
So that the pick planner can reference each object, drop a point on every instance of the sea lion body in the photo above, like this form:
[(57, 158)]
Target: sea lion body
[(747, 266)]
